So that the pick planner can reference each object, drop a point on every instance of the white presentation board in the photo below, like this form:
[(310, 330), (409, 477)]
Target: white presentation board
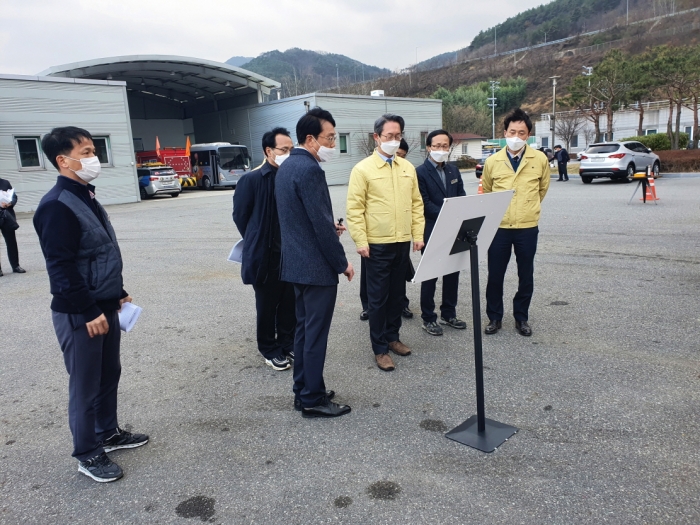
[(436, 260)]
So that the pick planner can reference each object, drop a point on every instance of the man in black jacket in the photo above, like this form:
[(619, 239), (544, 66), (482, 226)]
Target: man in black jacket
[(563, 159), (8, 232), (84, 265), (437, 181), (255, 215)]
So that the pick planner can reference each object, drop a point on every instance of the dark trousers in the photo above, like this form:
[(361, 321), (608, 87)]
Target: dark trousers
[(524, 243), (94, 369), (386, 269), (563, 172), (448, 308), (314, 312), (276, 320), (363, 288), (12, 251)]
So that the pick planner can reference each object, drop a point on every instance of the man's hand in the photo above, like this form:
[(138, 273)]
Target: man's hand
[(349, 272), (339, 229), (126, 299), (364, 252), (5, 205), (98, 326), (418, 245)]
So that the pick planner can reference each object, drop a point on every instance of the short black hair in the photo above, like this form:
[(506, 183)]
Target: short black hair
[(557, 146), (517, 115), (404, 145), (269, 139), (61, 141), (429, 138), (312, 123), (388, 117)]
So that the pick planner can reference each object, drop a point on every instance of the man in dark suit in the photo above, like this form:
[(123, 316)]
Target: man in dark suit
[(312, 257), (563, 159), (255, 215), (438, 180), (9, 233)]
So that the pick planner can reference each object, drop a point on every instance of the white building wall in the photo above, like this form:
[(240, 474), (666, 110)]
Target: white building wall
[(354, 115), (32, 106), (625, 124)]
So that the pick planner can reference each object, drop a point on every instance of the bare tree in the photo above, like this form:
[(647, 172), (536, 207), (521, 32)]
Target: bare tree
[(364, 140), (568, 126), (590, 135)]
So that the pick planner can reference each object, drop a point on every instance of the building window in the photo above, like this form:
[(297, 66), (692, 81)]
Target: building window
[(545, 142), (29, 153), (574, 141), (423, 136), (465, 148), (689, 131), (650, 132), (608, 137), (344, 142), (103, 150)]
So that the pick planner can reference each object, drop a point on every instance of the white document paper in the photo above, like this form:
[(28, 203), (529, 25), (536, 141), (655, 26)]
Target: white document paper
[(6, 196), (128, 316), (236, 254)]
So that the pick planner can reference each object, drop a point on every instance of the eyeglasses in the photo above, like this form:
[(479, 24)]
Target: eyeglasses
[(330, 138), (398, 136), (283, 150)]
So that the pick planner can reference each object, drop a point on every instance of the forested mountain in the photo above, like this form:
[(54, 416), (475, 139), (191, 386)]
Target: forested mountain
[(239, 61)]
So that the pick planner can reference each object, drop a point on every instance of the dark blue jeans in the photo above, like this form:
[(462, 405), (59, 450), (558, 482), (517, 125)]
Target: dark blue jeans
[(524, 243), (448, 308)]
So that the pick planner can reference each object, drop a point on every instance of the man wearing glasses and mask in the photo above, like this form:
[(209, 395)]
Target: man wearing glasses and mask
[(384, 214), (255, 215), (438, 181)]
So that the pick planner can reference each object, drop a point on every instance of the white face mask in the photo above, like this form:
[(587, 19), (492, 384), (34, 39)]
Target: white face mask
[(279, 159), (91, 168), (438, 155), (325, 154), (515, 144), (390, 147)]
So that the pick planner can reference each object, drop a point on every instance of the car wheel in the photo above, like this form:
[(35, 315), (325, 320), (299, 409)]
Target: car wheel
[(206, 184), (630, 174), (144, 194), (655, 170), (586, 180), (176, 194)]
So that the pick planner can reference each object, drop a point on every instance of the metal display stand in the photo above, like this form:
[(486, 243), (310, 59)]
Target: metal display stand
[(464, 224)]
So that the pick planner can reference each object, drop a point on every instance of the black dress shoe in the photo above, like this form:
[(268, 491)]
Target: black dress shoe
[(523, 328), (19, 269), (406, 313), (1, 274), (364, 316), (325, 408), (330, 394), (492, 327)]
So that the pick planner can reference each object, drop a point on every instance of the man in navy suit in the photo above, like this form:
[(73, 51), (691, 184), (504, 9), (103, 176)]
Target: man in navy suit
[(312, 257), (438, 180)]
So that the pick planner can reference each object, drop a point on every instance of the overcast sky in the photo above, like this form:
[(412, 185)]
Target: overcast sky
[(38, 34)]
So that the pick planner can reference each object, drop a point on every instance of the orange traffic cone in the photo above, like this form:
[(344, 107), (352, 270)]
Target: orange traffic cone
[(652, 188), (481, 188)]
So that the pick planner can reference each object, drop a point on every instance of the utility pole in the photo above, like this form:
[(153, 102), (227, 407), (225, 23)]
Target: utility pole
[(495, 41), (588, 73), (545, 37), (554, 110), (337, 78), (492, 105)]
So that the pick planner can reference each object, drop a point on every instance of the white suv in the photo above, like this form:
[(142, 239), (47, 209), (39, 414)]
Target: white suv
[(617, 160)]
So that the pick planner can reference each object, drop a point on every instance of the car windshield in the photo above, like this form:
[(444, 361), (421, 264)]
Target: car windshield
[(233, 159), (603, 148)]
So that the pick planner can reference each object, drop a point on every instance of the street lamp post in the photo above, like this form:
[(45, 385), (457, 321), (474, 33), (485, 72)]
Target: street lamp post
[(492, 105), (554, 109)]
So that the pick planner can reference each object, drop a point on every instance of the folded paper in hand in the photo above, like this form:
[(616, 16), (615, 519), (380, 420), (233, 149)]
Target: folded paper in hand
[(236, 254), (128, 316), (6, 196)]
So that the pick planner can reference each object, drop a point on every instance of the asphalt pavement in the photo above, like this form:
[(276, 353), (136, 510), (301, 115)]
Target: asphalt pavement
[(605, 393)]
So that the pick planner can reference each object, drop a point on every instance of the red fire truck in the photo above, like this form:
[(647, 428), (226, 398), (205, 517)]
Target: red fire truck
[(176, 158)]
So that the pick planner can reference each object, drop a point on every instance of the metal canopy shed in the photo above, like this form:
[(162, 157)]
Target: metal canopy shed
[(184, 81)]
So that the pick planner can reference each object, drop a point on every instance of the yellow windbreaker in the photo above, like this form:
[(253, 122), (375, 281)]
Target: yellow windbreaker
[(384, 203), (530, 183)]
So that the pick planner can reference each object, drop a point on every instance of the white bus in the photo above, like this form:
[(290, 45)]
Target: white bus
[(219, 164)]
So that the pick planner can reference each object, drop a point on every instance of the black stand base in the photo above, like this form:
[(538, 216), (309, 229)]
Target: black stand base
[(493, 436)]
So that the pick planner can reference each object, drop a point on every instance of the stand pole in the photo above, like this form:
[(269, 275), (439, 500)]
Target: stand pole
[(477, 431)]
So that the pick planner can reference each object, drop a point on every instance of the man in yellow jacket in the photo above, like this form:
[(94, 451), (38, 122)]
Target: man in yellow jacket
[(384, 212), (520, 168)]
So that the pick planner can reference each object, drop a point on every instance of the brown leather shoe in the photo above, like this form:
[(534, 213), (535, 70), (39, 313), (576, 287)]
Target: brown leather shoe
[(399, 348), (384, 362)]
